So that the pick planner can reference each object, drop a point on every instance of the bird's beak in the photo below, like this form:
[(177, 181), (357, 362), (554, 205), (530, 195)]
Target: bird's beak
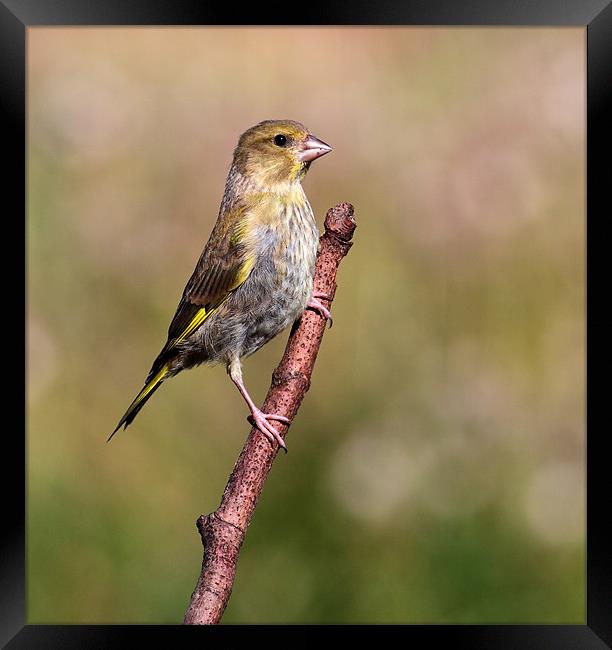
[(313, 148)]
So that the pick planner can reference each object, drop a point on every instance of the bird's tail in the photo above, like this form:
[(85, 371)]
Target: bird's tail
[(140, 400)]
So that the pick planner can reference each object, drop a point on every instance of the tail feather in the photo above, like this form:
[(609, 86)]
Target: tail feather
[(141, 399)]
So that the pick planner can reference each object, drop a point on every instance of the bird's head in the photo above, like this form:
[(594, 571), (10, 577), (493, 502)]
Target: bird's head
[(277, 152)]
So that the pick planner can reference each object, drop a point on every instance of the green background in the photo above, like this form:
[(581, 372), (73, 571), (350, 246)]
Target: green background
[(436, 467)]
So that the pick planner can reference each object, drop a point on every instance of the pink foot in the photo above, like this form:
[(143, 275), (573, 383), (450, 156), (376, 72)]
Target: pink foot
[(260, 420), (317, 305)]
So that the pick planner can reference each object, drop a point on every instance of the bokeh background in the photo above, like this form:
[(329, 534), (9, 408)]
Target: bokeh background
[(436, 468)]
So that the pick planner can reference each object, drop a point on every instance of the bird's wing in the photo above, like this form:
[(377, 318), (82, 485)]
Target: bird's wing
[(223, 266)]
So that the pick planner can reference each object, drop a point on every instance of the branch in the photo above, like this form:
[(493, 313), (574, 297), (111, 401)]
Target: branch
[(223, 531)]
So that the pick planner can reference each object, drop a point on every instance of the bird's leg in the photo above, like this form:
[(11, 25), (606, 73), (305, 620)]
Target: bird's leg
[(257, 417), (317, 305)]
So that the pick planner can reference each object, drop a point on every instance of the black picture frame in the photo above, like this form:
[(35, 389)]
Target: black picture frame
[(17, 15)]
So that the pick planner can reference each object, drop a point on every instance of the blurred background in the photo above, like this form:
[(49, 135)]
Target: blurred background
[(436, 467)]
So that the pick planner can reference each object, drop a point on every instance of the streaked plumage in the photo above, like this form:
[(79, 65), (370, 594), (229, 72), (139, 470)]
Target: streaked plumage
[(255, 275)]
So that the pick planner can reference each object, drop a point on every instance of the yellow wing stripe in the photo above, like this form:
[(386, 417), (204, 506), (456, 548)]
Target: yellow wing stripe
[(194, 323), (136, 405), (245, 270), (202, 314), (151, 385)]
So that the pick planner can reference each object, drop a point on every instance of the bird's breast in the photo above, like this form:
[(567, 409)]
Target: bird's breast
[(287, 254), (281, 281)]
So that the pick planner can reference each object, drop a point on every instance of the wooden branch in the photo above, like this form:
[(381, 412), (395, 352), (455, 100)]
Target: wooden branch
[(223, 531)]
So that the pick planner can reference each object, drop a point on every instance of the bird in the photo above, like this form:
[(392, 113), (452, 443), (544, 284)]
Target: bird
[(255, 275)]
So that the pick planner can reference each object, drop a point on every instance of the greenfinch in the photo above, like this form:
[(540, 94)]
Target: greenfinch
[(254, 277)]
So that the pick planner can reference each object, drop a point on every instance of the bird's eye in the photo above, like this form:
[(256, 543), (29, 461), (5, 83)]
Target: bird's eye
[(280, 140)]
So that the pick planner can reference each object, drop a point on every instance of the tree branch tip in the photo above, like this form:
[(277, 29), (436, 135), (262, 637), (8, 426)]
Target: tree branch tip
[(340, 221)]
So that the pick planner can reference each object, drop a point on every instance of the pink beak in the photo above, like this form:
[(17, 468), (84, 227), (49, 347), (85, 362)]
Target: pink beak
[(312, 149)]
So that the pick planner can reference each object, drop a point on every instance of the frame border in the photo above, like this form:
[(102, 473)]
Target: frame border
[(595, 15)]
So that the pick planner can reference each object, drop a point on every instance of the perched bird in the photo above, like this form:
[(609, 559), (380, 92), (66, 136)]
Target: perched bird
[(255, 275)]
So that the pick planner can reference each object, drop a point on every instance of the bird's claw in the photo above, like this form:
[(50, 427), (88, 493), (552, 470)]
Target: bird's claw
[(317, 305), (260, 420)]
